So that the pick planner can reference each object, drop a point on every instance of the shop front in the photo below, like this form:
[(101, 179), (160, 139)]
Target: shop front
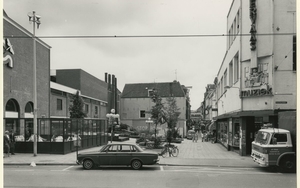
[(57, 136)]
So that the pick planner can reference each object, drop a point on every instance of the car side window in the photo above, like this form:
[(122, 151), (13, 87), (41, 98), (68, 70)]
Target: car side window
[(133, 149), (125, 148), (112, 148)]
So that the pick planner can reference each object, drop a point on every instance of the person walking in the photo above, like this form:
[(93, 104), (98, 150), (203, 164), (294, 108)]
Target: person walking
[(6, 143), (12, 142), (196, 136)]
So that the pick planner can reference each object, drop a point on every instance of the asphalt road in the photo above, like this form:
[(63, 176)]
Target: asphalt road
[(150, 176)]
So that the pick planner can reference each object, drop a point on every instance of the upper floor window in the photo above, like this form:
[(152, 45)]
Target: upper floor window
[(59, 104), (96, 109), (150, 93), (294, 53), (142, 114), (236, 67), (86, 106)]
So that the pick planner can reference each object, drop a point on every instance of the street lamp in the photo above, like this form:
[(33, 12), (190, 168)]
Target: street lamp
[(35, 19), (112, 120), (149, 121)]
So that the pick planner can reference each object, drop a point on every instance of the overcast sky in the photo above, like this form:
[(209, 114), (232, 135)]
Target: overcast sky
[(193, 61)]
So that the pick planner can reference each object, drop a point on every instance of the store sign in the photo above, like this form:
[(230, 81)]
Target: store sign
[(8, 51), (253, 15), (256, 92)]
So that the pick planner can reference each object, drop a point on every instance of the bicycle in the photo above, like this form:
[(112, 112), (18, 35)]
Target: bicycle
[(170, 149)]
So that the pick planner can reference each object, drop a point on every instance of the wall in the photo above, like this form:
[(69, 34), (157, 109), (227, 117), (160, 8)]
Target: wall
[(18, 81)]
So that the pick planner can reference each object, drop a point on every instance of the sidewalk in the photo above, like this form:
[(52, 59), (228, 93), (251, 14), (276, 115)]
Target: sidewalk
[(190, 154)]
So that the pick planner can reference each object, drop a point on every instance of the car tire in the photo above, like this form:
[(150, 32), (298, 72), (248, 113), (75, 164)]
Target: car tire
[(136, 164), (88, 164), (288, 164)]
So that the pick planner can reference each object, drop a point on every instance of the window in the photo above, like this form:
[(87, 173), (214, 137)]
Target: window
[(294, 53), (96, 109), (236, 67), (142, 114), (59, 104), (281, 137), (150, 93), (29, 107), (86, 108), (230, 74), (225, 78), (222, 86), (125, 148)]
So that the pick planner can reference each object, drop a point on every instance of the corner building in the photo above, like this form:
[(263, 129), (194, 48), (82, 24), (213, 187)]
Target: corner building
[(257, 78)]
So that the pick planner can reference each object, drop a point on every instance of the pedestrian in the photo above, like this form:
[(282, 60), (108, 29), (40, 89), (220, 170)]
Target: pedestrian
[(6, 143), (202, 135), (12, 141), (196, 136)]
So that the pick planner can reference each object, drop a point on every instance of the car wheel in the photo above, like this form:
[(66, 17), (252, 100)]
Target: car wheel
[(136, 164), (288, 164), (88, 164)]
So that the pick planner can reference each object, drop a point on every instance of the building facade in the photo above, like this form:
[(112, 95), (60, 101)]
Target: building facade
[(257, 78), (136, 104), (94, 92), (18, 81)]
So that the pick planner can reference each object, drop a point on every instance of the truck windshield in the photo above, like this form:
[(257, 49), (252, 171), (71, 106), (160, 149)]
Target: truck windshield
[(262, 137)]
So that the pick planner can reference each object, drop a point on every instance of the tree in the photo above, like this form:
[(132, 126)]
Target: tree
[(172, 114), (157, 112), (76, 109)]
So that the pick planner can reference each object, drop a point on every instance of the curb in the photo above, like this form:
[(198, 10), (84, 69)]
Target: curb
[(70, 164)]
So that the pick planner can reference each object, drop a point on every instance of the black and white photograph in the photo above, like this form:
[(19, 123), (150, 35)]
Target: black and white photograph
[(149, 93)]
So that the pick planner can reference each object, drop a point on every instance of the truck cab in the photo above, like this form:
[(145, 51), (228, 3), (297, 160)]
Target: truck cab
[(274, 147)]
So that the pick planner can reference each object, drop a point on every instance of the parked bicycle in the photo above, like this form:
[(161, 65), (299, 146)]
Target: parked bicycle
[(170, 149)]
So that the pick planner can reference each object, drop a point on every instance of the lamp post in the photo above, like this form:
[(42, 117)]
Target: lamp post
[(112, 119), (149, 121), (35, 19)]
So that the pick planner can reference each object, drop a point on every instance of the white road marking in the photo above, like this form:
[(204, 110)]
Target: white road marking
[(24, 170), (161, 168), (66, 169)]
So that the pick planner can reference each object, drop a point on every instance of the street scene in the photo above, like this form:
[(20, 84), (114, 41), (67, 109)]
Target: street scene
[(109, 93)]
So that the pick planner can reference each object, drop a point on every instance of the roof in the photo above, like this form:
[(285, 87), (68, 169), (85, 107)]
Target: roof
[(165, 89)]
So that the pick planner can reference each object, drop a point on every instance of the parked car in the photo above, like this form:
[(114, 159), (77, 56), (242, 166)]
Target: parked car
[(190, 134), (118, 154)]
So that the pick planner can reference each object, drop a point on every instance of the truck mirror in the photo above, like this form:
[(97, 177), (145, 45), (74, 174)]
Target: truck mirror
[(274, 141)]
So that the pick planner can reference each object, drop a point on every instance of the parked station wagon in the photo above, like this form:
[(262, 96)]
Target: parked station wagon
[(118, 154)]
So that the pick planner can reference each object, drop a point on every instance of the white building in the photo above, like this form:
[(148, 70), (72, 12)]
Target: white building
[(257, 77)]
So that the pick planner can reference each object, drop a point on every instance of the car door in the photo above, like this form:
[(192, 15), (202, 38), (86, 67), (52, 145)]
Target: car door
[(108, 155), (124, 155)]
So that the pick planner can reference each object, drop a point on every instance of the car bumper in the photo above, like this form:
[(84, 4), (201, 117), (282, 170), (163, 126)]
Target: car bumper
[(78, 162)]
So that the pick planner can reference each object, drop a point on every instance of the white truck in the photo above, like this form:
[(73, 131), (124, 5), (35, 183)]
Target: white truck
[(276, 147)]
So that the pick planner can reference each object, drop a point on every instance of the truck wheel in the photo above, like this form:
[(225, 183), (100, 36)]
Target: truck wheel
[(288, 164)]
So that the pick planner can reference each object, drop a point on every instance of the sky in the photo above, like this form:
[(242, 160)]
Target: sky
[(193, 61)]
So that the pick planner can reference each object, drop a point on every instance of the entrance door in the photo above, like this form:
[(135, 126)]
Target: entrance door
[(250, 133)]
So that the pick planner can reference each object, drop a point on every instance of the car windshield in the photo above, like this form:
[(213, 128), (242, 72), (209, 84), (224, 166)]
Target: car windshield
[(262, 137)]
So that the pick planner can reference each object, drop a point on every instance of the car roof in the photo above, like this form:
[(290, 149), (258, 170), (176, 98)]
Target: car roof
[(121, 144)]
